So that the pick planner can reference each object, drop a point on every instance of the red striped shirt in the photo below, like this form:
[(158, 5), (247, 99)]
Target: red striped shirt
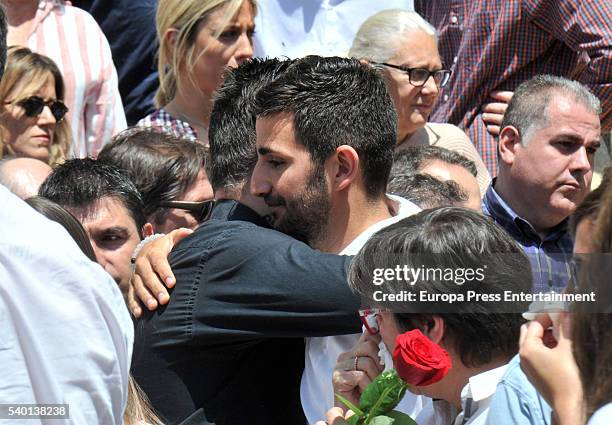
[(497, 44)]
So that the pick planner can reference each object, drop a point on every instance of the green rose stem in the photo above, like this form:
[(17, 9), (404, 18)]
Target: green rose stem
[(377, 402)]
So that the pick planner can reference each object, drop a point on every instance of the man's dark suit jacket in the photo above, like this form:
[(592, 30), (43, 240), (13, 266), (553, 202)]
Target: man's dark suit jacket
[(230, 341)]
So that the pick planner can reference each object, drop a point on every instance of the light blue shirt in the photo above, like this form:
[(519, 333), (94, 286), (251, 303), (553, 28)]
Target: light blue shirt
[(516, 401)]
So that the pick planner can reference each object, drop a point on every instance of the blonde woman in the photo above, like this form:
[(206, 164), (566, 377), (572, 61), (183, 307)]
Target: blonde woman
[(405, 47), (32, 110), (198, 40)]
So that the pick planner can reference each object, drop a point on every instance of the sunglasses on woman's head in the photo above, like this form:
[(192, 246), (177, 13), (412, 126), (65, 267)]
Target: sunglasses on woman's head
[(199, 210), (34, 105)]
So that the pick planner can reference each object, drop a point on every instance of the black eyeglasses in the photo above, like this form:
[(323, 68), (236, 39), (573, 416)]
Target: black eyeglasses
[(34, 105), (419, 76), (199, 210)]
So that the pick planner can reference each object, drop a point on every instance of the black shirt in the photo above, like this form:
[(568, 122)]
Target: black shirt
[(230, 340)]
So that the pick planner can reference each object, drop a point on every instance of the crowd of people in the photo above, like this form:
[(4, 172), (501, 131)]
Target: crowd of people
[(221, 261)]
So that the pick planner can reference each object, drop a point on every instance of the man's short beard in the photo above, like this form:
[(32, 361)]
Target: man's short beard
[(307, 212)]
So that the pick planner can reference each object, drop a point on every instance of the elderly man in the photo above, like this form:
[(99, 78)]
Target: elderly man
[(549, 137), (23, 176)]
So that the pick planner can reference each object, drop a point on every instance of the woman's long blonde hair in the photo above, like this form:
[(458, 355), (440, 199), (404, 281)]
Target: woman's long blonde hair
[(26, 71), (176, 62)]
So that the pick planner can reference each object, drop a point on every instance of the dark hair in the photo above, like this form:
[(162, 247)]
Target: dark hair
[(60, 215), (231, 135), (80, 183), (590, 205), (161, 166), (337, 101), (3, 32), (456, 238), (426, 191), (411, 159), (591, 332)]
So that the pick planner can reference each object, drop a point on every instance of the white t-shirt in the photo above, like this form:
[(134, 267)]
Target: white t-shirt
[(296, 28), (316, 390), (66, 334)]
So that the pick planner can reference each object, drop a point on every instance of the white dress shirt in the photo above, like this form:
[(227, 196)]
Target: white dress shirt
[(316, 389), (476, 398), (296, 28), (66, 334)]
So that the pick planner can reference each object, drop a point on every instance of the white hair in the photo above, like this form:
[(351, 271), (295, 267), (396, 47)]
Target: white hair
[(378, 37)]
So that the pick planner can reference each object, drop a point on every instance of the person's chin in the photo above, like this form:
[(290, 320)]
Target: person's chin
[(418, 119)]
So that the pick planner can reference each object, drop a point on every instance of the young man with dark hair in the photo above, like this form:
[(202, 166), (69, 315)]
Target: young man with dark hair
[(442, 164), (169, 172), (479, 334), (246, 337), (326, 131), (298, 291), (109, 207)]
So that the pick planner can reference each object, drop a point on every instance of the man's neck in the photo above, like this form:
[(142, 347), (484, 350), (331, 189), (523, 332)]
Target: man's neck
[(513, 197), (348, 220), (459, 376)]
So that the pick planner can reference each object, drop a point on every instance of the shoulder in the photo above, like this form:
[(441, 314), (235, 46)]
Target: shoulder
[(441, 133), (516, 381), (66, 10), (236, 238)]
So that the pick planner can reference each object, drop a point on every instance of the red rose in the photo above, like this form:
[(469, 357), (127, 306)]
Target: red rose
[(418, 360)]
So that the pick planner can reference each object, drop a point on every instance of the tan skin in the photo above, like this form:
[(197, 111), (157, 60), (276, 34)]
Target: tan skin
[(20, 18), (467, 182), (284, 164), (200, 190), (546, 195), (30, 137), (113, 236), (417, 49), (350, 383), (193, 100)]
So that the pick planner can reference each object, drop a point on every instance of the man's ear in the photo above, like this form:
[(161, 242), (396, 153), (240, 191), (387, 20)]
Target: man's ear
[(346, 167), (147, 230), (509, 141), (435, 329)]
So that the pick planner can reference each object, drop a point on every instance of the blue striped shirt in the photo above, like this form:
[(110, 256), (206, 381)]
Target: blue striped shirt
[(550, 257)]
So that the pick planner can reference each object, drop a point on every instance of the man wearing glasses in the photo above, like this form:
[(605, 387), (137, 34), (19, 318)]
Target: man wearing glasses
[(170, 174)]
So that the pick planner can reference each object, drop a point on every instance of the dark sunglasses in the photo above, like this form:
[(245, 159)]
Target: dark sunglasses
[(34, 105), (419, 76), (199, 210)]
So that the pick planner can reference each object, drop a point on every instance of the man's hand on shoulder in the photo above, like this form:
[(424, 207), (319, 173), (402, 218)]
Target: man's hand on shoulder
[(152, 273)]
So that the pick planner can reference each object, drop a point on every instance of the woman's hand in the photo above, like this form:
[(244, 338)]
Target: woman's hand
[(151, 271), (553, 371), (493, 112), (355, 369)]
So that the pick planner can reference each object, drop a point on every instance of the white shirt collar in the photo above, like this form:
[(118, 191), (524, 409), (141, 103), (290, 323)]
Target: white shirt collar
[(483, 385)]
